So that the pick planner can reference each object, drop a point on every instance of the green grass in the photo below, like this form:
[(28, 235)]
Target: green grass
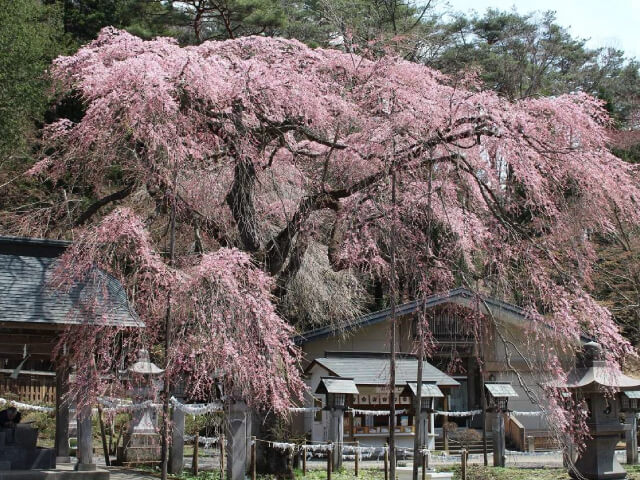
[(479, 472), (342, 474), (474, 472)]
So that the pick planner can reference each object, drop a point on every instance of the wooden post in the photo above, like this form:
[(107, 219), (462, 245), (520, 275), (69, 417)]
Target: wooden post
[(632, 439), (253, 458), (329, 460), (463, 466), (62, 414), (103, 435), (290, 472), (304, 459), (445, 433), (386, 461), (424, 464), (357, 450), (498, 440), (222, 448), (176, 448), (196, 451)]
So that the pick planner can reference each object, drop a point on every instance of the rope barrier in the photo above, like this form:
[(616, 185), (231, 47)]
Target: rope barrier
[(357, 411), (469, 413), (196, 408), (26, 406), (304, 409), (118, 405), (206, 442)]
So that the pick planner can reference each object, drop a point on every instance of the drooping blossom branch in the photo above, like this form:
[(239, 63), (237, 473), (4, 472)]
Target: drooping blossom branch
[(277, 146)]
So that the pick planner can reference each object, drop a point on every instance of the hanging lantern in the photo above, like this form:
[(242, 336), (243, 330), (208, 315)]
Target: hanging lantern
[(498, 394), (430, 391), (337, 389)]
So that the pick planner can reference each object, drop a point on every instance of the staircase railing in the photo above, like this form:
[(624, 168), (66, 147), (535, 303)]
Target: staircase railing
[(515, 432)]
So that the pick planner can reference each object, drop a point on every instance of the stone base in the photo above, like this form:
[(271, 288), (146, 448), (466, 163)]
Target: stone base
[(86, 467), (140, 449), (598, 461), (23, 458), (54, 475)]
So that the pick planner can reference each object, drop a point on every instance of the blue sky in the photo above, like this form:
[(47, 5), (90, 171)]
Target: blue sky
[(607, 23)]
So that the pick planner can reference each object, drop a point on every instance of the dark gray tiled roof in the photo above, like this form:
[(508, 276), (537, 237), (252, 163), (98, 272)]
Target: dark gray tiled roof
[(459, 296), (375, 371), (26, 266)]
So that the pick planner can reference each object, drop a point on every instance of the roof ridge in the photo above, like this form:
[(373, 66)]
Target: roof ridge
[(405, 309)]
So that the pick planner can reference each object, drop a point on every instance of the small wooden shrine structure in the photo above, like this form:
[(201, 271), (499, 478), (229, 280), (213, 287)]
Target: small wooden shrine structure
[(32, 315)]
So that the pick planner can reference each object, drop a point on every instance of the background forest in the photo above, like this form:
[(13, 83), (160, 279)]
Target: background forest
[(517, 55)]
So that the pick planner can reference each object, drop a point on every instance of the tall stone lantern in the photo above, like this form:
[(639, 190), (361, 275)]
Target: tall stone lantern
[(592, 380), (142, 441), (498, 395), (338, 391)]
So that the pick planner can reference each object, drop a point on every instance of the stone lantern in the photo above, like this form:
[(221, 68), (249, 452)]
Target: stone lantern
[(592, 380), (498, 395), (142, 441), (630, 405), (338, 391), (430, 391)]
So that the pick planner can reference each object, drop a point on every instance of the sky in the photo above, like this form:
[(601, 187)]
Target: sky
[(607, 23)]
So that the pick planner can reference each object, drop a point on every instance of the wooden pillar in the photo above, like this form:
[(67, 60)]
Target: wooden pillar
[(445, 435), (253, 458), (498, 440), (85, 440), (62, 415), (336, 432), (356, 460), (304, 460), (632, 439), (194, 459), (463, 464), (222, 455), (176, 450), (386, 461)]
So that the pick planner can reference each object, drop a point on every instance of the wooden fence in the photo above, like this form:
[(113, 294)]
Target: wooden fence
[(29, 389)]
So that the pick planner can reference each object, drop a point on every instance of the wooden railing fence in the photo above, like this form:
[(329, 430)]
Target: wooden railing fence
[(515, 433), (38, 391)]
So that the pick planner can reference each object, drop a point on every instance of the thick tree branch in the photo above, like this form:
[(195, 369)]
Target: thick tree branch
[(279, 247), (97, 205), (240, 201), (293, 265)]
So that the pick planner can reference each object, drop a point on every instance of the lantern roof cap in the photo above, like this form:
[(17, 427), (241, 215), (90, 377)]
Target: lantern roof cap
[(500, 389), (143, 365), (603, 375), (337, 385), (429, 389), (593, 369)]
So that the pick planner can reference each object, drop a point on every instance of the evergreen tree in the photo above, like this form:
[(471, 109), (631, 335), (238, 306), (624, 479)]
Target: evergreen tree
[(30, 37)]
